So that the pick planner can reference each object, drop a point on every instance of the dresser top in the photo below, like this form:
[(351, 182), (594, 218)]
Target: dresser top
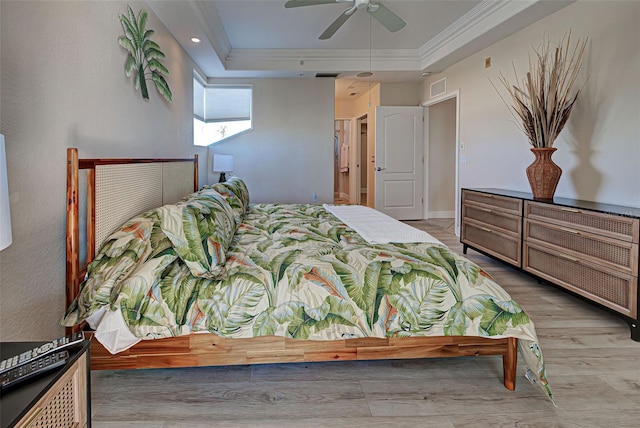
[(566, 202)]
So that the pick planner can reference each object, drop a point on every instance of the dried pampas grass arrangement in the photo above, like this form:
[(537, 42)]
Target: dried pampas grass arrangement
[(542, 103)]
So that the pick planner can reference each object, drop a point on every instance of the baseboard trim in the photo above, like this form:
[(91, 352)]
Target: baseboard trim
[(441, 214)]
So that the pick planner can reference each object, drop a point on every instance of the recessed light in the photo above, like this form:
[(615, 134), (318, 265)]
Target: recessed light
[(195, 40), (364, 74)]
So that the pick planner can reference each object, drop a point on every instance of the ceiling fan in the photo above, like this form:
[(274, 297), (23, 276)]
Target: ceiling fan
[(380, 12)]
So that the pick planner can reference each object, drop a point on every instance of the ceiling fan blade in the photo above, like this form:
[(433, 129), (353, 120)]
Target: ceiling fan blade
[(386, 17), (335, 25), (299, 3)]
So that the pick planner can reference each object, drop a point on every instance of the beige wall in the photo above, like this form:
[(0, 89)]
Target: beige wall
[(441, 178), (288, 155), (344, 109), (598, 151), (63, 85), (400, 94)]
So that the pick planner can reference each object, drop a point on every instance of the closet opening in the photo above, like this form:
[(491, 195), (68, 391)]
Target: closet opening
[(341, 163), (362, 181), (350, 151)]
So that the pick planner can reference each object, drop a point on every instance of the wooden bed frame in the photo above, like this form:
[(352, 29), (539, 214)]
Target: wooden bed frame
[(207, 349)]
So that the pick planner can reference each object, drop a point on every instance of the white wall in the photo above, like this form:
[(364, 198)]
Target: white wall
[(288, 155), (63, 85), (598, 150)]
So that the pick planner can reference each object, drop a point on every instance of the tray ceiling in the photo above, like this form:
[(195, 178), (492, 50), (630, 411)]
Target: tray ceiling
[(260, 38)]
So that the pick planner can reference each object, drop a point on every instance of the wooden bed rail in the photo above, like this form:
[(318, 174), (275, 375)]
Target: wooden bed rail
[(196, 350), (75, 268)]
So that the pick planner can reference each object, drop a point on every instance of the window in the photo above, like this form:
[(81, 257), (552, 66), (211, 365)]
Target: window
[(220, 111)]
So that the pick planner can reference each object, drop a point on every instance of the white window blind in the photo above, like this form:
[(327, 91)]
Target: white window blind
[(220, 111), (221, 103)]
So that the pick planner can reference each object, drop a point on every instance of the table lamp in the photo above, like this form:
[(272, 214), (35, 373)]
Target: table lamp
[(222, 164)]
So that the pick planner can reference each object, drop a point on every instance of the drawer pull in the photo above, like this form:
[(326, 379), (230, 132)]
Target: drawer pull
[(575, 232), (571, 259), (487, 210), (485, 229), (571, 210)]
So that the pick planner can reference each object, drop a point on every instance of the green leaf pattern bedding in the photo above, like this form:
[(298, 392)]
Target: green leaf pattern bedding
[(293, 271)]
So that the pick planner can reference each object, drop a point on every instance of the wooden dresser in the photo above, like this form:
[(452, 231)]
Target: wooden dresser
[(587, 248), (56, 399)]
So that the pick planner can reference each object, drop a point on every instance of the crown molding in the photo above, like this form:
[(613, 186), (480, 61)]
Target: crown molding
[(485, 16), (209, 20), (322, 59)]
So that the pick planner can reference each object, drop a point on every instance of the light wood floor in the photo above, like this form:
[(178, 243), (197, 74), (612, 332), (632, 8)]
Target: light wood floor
[(592, 364)]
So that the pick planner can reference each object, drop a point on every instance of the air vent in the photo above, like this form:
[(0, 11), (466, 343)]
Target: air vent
[(438, 88), (332, 75)]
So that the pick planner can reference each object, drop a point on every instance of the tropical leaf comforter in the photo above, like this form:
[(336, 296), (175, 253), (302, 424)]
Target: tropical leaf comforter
[(294, 271)]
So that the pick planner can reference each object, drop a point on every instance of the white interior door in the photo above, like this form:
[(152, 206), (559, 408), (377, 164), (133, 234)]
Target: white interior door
[(399, 162)]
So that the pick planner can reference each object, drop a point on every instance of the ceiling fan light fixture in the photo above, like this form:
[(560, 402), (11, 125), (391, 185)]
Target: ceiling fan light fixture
[(364, 74), (379, 11)]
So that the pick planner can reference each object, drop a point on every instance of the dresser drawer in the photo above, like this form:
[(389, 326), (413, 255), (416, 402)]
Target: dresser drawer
[(619, 227), (65, 404), (500, 245), (506, 204), (608, 287), (609, 252), (492, 217)]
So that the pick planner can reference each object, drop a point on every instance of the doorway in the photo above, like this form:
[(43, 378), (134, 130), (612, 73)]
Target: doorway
[(341, 164), (441, 162), (362, 185)]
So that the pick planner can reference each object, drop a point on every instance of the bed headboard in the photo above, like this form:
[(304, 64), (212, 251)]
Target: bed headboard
[(115, 191)]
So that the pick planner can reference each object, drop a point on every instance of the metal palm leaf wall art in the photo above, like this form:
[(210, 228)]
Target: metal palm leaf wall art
[(143, 60)]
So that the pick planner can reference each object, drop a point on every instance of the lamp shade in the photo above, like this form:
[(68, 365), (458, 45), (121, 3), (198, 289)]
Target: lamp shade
[(222, 163), (5, 214)]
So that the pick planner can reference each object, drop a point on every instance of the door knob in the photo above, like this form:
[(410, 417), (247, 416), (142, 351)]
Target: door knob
[(379, 168)]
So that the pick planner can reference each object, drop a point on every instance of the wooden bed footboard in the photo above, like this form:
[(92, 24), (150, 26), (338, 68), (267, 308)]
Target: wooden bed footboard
[(197, 350)]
